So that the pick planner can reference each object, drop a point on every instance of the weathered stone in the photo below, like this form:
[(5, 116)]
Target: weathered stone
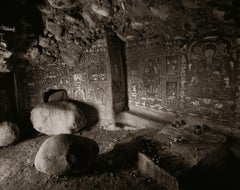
[(3, 67), (33, 53), (71, 19), (100, 10), (44, 42), (162, 12), (63, 4), (5, 53), (55, 29), (89, 18), (9, 133), (66, 154), (70, 59), (55, 118)]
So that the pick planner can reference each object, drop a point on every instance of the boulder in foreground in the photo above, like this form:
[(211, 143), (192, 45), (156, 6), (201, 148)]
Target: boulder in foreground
[(66, 154)]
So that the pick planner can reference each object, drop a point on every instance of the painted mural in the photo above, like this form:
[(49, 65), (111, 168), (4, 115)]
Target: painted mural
[(153, 72), (211, 82), (88, 81), (210, 71), (198, 79)]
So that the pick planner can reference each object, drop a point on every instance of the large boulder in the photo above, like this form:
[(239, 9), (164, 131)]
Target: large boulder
[(66, 154), (9, 133), (55, 118)]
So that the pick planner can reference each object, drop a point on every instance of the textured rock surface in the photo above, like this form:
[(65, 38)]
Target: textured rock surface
[(66, 154), (61, 4), (9, 133), (55, 118)]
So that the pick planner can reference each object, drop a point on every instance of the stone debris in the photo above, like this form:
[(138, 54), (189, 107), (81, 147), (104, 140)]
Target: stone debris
[(55, 29), (66, 154), (58, 117), (9, 133)]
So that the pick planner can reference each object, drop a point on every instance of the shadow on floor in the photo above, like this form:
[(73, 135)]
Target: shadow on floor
[(125, 156), (224, 177)]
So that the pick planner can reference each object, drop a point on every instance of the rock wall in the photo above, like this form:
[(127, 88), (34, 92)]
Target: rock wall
[(181, 56), (88, 81), (198, 79)]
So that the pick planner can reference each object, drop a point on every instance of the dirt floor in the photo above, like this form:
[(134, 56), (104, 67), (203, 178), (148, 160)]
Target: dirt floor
[(17, 171), (116, 168)]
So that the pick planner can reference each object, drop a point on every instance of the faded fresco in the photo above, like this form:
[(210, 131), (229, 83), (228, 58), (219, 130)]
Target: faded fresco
[(211, 78), (153, 73), (198, 80), (87, 81)]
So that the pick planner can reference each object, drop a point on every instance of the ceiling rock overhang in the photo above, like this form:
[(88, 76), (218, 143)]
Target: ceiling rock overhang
[(40, 23)]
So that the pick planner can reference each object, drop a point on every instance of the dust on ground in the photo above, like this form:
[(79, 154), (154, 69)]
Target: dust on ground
[(17, 169)]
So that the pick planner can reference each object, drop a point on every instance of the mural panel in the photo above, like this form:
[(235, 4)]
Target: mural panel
[(153, 73), (210, 70), (88, 81), (210, 85), (198, 81)]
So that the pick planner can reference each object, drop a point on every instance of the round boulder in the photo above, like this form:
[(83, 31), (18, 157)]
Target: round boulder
[(59, 117), (66, 154), (9, 133)]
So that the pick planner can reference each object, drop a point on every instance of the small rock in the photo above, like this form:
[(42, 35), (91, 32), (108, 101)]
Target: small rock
[(89, 18), (9, 133), (58, 117), (55, 29), (100, 10), (44, 42), (66, 154)]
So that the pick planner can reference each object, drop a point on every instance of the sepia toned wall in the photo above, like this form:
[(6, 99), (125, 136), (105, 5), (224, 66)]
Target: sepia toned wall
[(197, 79), (88, 81)]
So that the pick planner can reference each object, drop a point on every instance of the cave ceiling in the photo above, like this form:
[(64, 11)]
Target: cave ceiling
[(24, 22)]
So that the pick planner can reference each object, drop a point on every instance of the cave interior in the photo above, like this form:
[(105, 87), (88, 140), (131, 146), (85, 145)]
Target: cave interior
[(149, 88)]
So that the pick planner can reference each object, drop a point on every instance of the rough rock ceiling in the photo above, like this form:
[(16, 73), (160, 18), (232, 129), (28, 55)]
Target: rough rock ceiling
[(24, 22)]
